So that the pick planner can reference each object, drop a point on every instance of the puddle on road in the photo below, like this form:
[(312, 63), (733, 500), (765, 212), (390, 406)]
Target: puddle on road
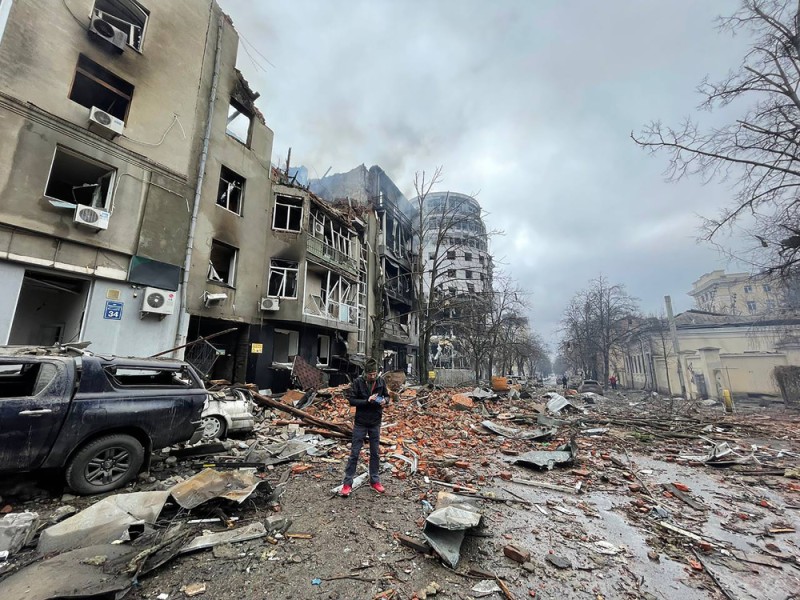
[(664, 579)]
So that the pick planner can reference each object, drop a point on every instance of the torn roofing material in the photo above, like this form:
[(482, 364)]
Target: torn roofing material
[(446, 526), (104, 522), (230, 485)]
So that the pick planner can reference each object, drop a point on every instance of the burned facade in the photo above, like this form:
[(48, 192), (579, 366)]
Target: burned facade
[(314, 306), (100, 111), (227, 274), (393, 329)]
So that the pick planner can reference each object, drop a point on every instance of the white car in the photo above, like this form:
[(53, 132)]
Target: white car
[(227, 411)]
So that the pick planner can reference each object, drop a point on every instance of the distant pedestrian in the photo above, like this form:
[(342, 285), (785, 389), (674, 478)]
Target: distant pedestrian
[(369, 394), (613, 381), (564, 381)]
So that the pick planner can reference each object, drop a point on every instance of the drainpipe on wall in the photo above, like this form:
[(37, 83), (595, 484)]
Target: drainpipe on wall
[(183, 319)]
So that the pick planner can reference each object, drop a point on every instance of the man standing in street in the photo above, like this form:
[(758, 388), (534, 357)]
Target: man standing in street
[(369, 395)]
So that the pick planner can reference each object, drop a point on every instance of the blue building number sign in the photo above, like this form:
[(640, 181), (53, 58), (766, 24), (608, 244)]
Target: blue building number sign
[(113, 310)]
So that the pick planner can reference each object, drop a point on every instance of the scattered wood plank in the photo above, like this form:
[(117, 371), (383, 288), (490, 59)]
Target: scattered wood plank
[(683, 496), (547, 486)]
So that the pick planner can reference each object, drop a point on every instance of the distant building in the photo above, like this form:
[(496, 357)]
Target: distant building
[(458, 265), (717, 352), (739, 293)]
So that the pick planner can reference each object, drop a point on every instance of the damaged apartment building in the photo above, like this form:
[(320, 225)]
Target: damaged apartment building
[(314, 307), (101, 118), (140, 208), (393, 328)]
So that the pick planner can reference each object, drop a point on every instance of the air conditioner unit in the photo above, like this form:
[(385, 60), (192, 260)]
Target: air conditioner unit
[(109, 36), (88, 216), (319, 229), (270, 304), (158, 302), (214, 299), (104, 124)]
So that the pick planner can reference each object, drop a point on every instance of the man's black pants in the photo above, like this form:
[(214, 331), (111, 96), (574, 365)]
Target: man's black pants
[(359, 433)]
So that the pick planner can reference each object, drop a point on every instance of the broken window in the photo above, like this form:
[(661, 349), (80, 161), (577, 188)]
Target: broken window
[(451, 273), (240, 121), (127, 16), (282, 278), (468, 274), (471, 288), (285, 345), (468, 256), (18, 380), (480, 259), (323, 349), (222, 263), (451, 254), (288, 214), (231, 188), (80, 180), (96, 86), (143, 377)]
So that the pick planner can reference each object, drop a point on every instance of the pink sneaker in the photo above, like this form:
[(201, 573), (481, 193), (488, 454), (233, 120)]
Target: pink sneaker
[(346, 489), (378, 487)]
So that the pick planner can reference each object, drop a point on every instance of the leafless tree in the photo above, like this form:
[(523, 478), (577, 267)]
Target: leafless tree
[(595, 323), (757, 152), (490, 323), (438, 233)]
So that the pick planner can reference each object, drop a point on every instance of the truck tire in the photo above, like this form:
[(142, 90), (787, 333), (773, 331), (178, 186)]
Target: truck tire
[(105, 464)]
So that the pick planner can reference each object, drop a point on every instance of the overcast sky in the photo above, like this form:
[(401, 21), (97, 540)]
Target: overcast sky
[(527, 104)]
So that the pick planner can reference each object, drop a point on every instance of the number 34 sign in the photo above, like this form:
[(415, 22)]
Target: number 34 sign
[(113, 310)]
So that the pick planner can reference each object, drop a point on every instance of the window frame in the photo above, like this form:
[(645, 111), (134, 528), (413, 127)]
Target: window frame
[(233, 263), (108, 85), (294, 343), (243, 112), (111, 171), (285, 270), (293, 203), (240, 201)]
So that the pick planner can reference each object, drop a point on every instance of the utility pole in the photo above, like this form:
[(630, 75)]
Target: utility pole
[(675, 345)]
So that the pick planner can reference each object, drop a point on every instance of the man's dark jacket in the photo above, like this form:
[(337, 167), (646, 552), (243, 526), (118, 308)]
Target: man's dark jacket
[(367, 413)]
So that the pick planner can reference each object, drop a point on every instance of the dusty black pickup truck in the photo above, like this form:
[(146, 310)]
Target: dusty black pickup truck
[(96, 417)]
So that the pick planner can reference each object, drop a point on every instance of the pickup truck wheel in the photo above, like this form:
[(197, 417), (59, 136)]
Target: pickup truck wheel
[(213, 427), (105, 464)]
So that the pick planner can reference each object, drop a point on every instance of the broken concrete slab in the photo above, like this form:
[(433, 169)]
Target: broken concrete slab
[(16, 530), (106, 521)]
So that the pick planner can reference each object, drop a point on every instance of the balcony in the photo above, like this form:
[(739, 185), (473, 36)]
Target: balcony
[(337, 315), (330, 256), (400, 289)]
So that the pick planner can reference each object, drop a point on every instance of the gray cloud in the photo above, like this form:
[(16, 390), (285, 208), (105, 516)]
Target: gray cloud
[(529, 103)]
